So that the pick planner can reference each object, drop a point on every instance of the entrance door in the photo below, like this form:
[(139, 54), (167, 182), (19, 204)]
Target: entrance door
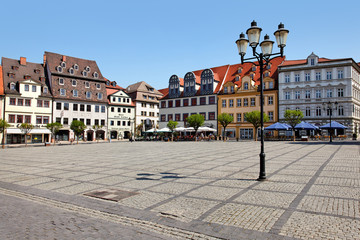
[(90, 135)]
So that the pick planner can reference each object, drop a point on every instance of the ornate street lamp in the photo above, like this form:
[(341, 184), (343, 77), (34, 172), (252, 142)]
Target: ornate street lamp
[(263, 59), (329, 107)]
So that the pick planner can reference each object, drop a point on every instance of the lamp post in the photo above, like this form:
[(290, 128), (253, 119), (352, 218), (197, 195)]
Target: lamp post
[(263, 59), (329, 106)]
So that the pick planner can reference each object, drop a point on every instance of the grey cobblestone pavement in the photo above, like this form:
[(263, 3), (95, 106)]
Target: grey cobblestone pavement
[(180, 190)]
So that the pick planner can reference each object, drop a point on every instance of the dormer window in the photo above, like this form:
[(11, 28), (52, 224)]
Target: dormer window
[(267, 74), (27, 76), (15, 67), (253, 68), (113, 84), (62, 92), (239, 70), (237, 78), (12, 86), (87, 68), (232, 89), (88, 95), (76, 67), (71, 71), (63, 64), (96, 75), (85, 73), (98, 86), (37, 71), (312, 62), (61, 81), (45, 90), (268, 66), (252, 75), (11, 75), (87, 84), (246, 86), (225, 90), (107, 83), (73, 82), (59, 69)]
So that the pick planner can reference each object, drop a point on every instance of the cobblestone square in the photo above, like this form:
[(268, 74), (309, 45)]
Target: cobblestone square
[(183, 190)]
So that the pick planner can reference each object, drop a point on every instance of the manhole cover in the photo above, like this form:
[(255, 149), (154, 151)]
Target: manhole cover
[(110, 194)]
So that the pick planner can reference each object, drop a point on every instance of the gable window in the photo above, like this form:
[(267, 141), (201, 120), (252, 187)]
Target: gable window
[(225, 90), (75, 93), (33, 88), (61, 81), (232, 89), (62, 92), (73, 82), (45, 90), (26, 87), (312, 61), (88, 95), (246, 86)]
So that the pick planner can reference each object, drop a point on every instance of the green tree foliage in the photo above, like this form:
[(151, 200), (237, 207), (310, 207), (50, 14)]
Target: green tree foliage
[(139, 129), (26, 129), (3, 126), (255, 119), (78, 127), (225, 119), (293, 117), (195, 121), (54, 128), (172, 125)]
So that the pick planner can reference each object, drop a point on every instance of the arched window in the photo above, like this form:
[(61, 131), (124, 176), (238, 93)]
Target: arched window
[(174, 84), (189, 81), (207, 81)]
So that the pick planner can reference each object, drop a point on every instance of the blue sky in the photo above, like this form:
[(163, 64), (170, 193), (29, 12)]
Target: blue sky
[(149, 41)]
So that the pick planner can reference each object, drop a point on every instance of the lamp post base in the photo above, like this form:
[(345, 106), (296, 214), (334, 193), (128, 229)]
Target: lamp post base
[(261, 178)]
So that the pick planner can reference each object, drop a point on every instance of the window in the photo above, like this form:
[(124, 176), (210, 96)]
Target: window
[(297, 94), (318, 111), (62, 92), (119, 109), (124, 123), (39, 103), (193, 101), (82, 107), (98, 86), (318, 75), (252, 102), (11, 118), (177, 117), (246, 86), (212, 100), (84, 73), (112, 109), (97, 108), (102, 122), (287, 95), (307, 94), (312, 61), (58, 106), (341, 111), (76, 67), (203, 101), (88, 95), (38, 119), (71, 71), (59, 69), (75, 93), (163, 118), (238, 102), (102, 109), (271, 85), (28, 119), (211, 115), (66, 106), (170, 103), (20, 102), (271, 116), (88, 108), (170, 117), (61, 81), (73, 82), (329, 93), (185, 102), (232, 89), (287, 78), (163, 104), (270, 100), (26, 88), (307, 77), (225, 90), (45, 120), (87, 68), (63, 64), (75, 107), (318, 93), (307, 112), (238, 117), (19, 118), (328, 75), (129, 110), (340, 74), (96, 122), (203, 114), (28, 102), (96, 75), (87, 84), (340, 92), (33, 88), (100, 96), (231, 102), (297, 77), (224, 103), (58, 120), (88, 122), (45, 90), (246, 102), (177, 103), (46, 104), (66, 121)]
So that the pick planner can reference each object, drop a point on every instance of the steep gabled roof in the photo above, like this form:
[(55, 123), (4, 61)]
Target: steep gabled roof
[(142, 87), (1, 82)]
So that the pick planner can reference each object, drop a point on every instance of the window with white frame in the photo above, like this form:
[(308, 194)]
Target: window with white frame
[(100, 96), (231, 102), (238, 117), (318, 75), (98, 86), (73, 82), (297, 77), (62, 92), (87, 84), (318, 111), (287, 78), (246, 86), (341, 111), (307, 94), (75, 93), (271, 116), (238, 102), (61, 81), (246, 102), (340, 74), (225, 90), (297, 94), (287, 95), (318, 93), (328, 75), (71, 71), (329, 93), (224, 103), (312, 61), (45, 90), (307, 77), (270, 100), (232, 89), (307, 112), (88, 95), (252, 101)]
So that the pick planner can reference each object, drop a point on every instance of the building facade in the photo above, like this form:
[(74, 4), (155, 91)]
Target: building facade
[(308, 83), (146, 100), (196, 93), (79, 93), (27, 100), (121, 112), (240, 95)]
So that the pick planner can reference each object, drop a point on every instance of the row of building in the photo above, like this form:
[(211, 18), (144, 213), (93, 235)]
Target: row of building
[(308, 85), (63, 89)]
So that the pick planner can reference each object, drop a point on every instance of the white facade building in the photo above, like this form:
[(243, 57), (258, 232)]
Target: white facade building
[(308, 84)]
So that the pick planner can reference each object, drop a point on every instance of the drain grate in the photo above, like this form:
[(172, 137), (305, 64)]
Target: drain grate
[(110, 194)]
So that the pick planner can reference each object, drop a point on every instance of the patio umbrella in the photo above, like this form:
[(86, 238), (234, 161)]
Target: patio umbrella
[(180, 129), (165, 129), (305, 126), (150, 130), (334, 125), (190, 129), (277, 126), (206, 129)]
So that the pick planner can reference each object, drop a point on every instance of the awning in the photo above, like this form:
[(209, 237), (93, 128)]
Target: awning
[(33, 131)]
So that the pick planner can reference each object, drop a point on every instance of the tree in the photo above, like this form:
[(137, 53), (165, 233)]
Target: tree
[(97, 129), (139, 129), (255, 119), (78, 127), (172, 125), (293, 117), (54, 128), (3, 126), (225, 119), (195, 121), (26, 129)]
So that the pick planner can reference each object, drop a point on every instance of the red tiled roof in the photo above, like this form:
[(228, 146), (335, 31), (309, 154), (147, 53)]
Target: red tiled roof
[(164, 91), (1, 82), (302, 61)]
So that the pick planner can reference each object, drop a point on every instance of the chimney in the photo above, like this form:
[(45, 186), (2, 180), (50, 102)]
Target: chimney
[(23, 61), (64, 58), (44, 60)]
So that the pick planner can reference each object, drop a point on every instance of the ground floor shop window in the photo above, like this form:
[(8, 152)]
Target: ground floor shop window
[(246, 133)]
